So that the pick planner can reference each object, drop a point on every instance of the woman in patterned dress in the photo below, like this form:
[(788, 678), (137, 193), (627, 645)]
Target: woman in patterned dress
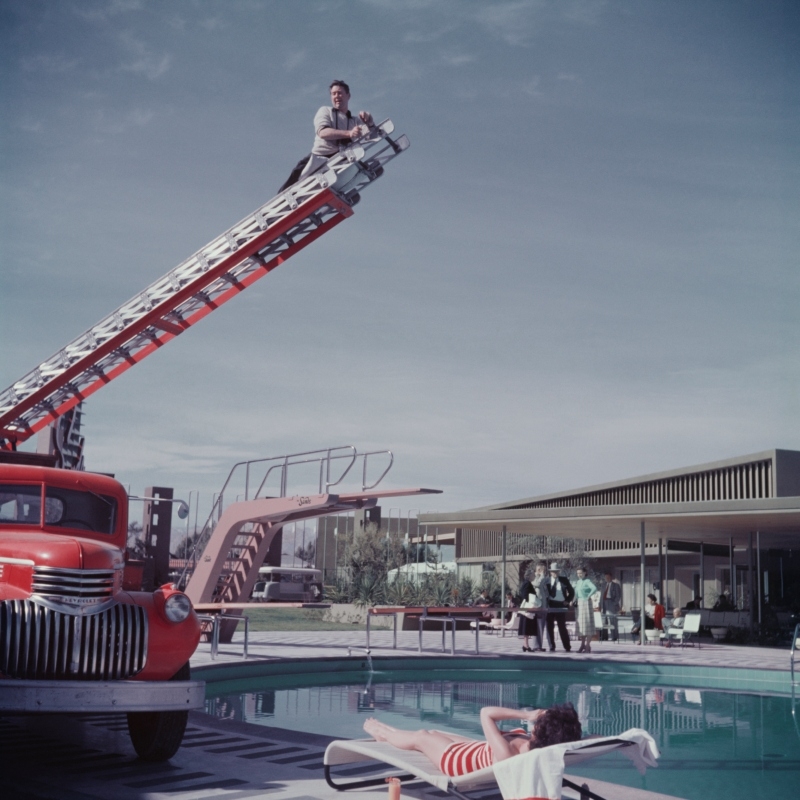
[(584, 589), (458, 755)]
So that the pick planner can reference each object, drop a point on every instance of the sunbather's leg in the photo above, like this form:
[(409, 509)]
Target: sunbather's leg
[(430, 743)]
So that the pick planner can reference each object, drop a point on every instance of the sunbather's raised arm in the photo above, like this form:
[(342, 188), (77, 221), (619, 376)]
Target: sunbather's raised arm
[(490, 716)]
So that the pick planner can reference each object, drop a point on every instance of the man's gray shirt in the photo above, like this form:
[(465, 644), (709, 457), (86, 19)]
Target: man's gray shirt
[(328, 117)]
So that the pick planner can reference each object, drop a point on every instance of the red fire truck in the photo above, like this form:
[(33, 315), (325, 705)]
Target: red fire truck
[(75, 636)]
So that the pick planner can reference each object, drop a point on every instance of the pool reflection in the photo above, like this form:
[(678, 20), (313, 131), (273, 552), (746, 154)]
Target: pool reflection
[(713, 743)]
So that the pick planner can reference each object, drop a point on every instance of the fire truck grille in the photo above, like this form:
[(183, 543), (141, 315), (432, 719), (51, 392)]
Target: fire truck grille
[(39, 643), (73, 585)]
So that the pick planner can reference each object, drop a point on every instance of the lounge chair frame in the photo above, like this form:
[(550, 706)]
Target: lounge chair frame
[(392, 758)]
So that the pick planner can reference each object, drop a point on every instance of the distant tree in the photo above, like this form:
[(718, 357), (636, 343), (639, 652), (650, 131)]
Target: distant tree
[(307, 555), (135, 543)]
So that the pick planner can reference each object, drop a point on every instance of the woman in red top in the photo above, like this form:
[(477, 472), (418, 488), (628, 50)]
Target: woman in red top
[(458, 755), (653, 617)]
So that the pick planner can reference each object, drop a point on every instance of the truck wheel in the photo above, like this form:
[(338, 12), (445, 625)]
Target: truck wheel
[(157, 735)]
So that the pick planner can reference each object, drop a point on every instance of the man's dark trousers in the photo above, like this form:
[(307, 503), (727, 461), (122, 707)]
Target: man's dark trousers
[(557, 615)]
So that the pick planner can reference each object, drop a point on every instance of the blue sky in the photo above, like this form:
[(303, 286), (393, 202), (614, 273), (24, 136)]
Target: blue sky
[(585, 267)]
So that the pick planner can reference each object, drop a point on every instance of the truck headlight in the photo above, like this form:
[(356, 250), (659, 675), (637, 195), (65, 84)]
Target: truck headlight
[(177, 607)]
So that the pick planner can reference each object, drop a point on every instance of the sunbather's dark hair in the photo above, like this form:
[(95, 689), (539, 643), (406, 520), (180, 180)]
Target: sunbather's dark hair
[(557, 725)]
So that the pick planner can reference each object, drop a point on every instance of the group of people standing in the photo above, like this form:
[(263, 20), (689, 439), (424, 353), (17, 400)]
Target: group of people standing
[(545, 597)]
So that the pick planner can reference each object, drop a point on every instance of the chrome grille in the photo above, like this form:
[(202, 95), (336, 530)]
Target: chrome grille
[(78, 586), (37, 642)]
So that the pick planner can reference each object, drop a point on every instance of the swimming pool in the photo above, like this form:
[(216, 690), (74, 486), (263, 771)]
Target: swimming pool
[(714, 744)]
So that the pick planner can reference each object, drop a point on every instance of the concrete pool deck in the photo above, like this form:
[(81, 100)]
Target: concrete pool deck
[(69, 758)]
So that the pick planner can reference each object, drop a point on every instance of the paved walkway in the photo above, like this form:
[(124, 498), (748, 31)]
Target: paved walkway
[(67, 758)]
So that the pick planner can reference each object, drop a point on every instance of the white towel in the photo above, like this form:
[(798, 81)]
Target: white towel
[(537, 774)]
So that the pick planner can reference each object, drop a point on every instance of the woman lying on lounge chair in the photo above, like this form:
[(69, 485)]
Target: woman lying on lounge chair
[(458, 755)]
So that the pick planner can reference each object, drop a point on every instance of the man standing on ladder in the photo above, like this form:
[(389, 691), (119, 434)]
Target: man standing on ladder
[(334, 127)]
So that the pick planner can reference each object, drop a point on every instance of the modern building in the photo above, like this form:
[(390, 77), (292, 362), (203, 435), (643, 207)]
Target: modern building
[(686, 534)]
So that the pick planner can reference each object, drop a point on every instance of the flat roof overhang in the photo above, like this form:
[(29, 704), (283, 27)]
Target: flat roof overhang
[(717, 521)]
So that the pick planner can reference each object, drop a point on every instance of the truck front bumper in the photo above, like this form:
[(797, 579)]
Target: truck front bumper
[(53, 697)]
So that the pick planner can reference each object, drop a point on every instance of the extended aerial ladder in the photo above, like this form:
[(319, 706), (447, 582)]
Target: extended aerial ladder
[(213, 275)]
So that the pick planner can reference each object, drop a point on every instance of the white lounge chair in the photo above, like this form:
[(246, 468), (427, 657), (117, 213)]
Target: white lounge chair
[(496, 624), (538, 773), (691, 627)]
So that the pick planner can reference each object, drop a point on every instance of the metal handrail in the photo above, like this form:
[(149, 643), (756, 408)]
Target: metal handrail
[(364, 487), (323, 456), (324, 465), (795, 637)]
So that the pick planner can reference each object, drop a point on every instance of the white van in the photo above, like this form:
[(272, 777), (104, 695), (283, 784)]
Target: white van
[(288, 585)]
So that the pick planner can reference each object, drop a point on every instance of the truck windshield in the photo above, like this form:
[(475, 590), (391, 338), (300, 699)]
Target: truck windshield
[(20, 504), (86, 511)]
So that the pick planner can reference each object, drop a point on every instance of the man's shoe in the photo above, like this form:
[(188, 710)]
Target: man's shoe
[(552, 649)]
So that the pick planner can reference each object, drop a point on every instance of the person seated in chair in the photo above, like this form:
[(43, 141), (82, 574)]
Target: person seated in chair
[(724, 603), (457, 755), (674, 624), (654, 613)]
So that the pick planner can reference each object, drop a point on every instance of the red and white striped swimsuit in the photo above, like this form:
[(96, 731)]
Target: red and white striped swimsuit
[(463, 757)]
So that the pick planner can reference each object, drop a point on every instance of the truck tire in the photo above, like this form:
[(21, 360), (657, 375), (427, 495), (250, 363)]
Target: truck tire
[(157, 735)]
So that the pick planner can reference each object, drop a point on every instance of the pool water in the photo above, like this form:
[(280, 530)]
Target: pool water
[(715, 745)]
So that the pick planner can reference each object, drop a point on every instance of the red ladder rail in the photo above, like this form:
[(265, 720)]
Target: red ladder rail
[(191, 291)]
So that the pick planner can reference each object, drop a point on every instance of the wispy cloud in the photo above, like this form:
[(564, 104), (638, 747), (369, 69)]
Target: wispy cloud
[(513, 22), (531, 87), (457, 59), (106, 123), (30, 126), (145, 61), (102, 12), (49, 63), (401, 5), (212, 24), (295, 59)]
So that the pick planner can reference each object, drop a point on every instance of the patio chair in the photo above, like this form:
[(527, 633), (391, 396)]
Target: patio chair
[(496, 624), (537, 773), (690, 629)]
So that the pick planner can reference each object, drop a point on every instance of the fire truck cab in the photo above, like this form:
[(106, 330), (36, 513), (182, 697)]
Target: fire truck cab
[(74, 637)]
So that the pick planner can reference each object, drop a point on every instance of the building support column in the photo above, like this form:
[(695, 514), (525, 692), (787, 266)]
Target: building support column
[(666, 574), (750, 591), (702, 580), (732, 572), (503, 589), (660, 575), (758, 574), (644, 589)]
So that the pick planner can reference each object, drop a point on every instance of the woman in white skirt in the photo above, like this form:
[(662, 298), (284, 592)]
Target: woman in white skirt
[(584, 589)]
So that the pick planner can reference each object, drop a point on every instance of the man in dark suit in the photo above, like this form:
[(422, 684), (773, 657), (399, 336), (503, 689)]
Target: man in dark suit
[(560, 594), (610, 606)]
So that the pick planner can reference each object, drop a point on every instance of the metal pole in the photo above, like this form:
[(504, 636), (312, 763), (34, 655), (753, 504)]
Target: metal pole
[(188, 517), (732, 572), (336, 550), (324, 548), (666, 574), (750, 579), (503, 577), (758, 573), (702, 578), (661, 575), (644, 593)]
